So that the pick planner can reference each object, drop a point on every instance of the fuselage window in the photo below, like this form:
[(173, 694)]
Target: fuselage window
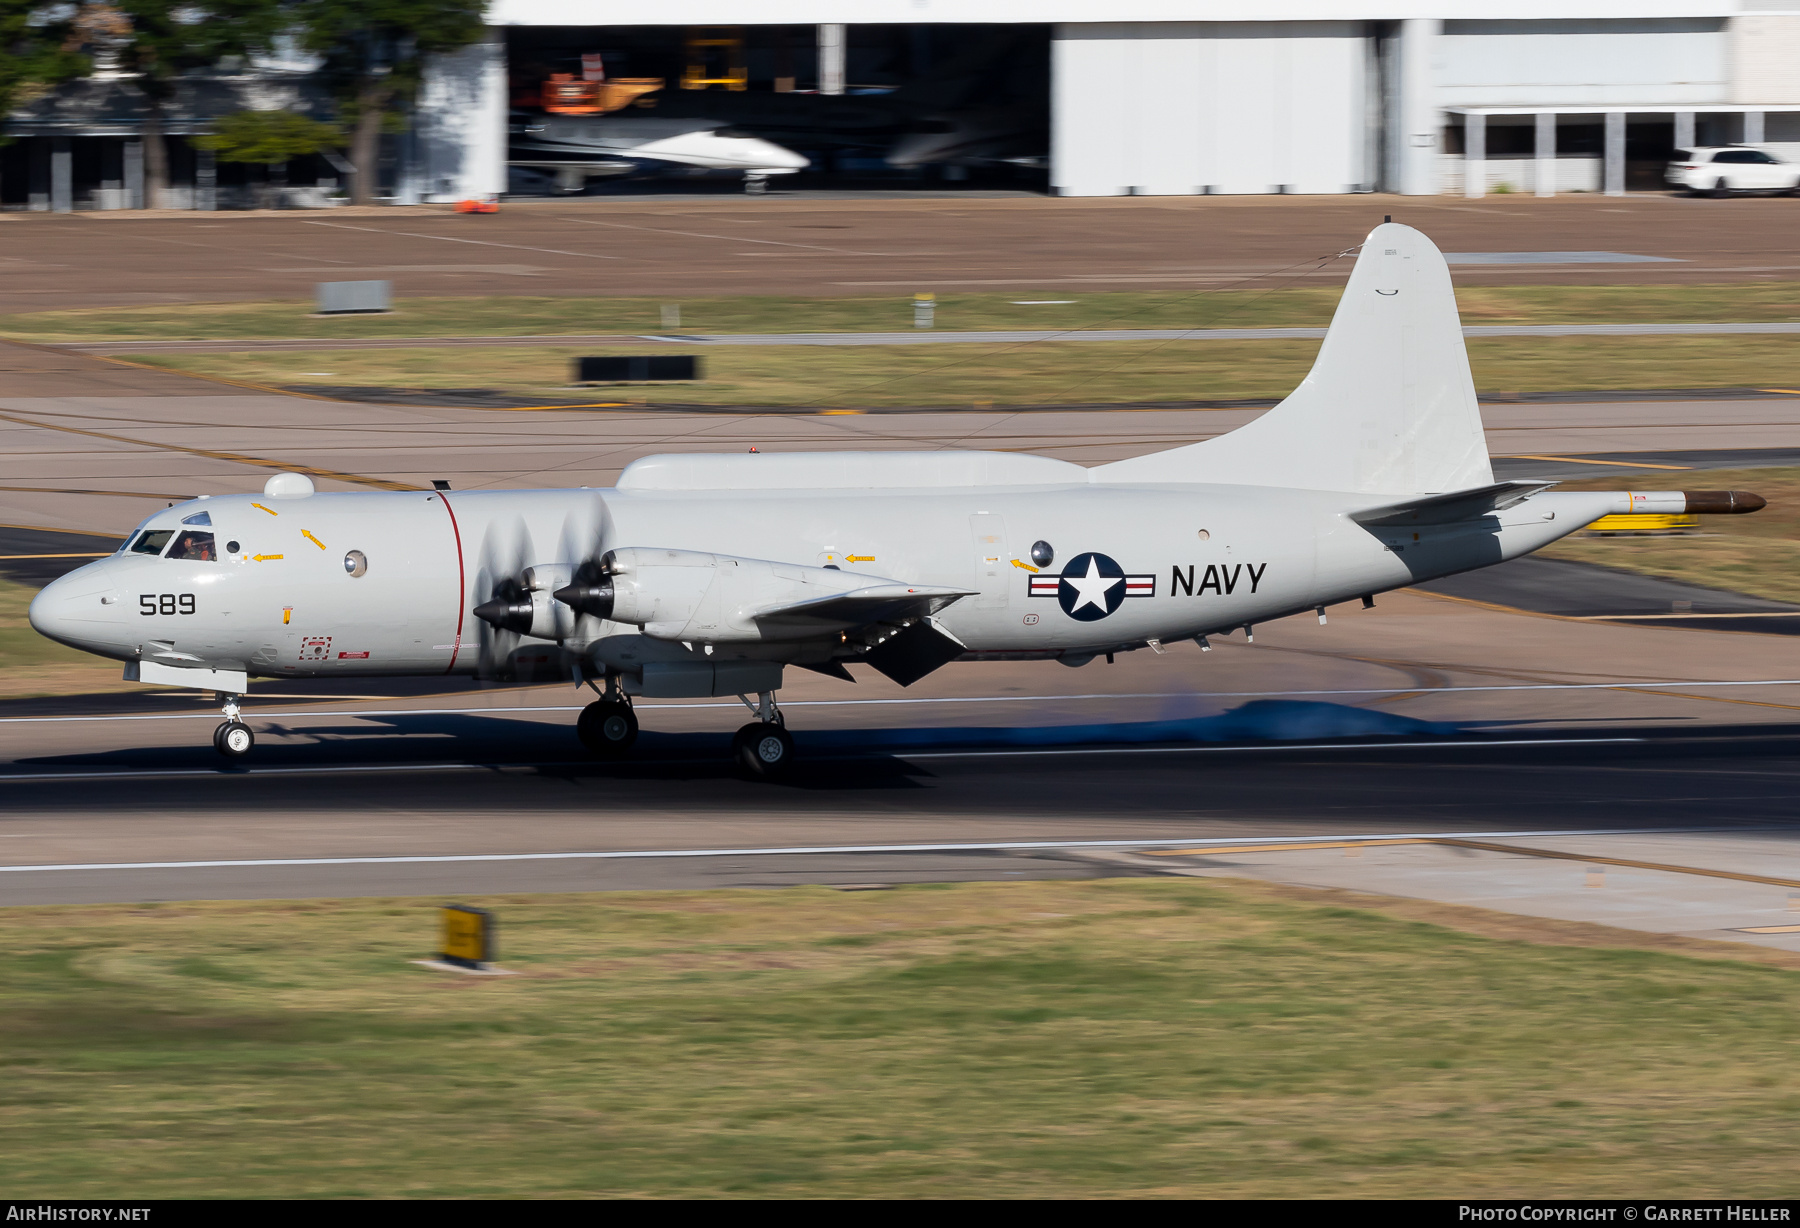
[(204, 518), (152, 541), (194, 545)]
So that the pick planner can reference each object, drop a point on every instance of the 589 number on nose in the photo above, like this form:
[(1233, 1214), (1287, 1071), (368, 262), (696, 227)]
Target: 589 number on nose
[(165, 603)]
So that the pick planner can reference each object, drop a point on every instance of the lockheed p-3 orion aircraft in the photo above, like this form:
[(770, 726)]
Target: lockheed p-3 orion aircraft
[(711, 575)]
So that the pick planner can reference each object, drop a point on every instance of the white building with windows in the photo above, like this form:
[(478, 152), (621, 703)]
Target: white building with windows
[(1180, 97), (1184, 97)]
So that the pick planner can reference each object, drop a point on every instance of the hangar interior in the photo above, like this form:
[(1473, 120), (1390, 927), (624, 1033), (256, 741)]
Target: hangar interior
[(857, 101)]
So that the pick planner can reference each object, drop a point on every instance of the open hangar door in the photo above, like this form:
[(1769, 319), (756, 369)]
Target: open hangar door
[(720, 108)]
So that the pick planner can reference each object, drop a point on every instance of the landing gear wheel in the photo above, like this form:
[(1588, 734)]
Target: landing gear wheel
[(234, 740), (764, 750), (607, 728)]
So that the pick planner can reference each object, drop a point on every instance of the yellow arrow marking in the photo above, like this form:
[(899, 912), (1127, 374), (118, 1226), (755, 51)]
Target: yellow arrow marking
[(307, 534), (859, 558), (1025, 566), (269, 510), (264, 558)]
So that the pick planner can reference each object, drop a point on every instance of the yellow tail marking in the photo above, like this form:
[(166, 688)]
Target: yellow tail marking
[(307, 534), (264, 558), (269, 510), (859, 558)]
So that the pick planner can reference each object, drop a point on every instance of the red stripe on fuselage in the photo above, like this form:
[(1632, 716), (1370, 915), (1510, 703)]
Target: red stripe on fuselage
[(461, 586)]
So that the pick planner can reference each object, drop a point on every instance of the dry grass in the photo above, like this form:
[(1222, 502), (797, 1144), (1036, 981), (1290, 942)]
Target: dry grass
[(1126, 1037), (1024, 374), (516, 315)]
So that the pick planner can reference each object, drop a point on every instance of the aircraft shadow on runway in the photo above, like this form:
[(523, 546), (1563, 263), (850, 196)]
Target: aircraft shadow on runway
[(859, 759)]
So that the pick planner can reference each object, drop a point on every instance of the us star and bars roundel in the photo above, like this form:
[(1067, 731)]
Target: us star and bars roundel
[(1092, 586)]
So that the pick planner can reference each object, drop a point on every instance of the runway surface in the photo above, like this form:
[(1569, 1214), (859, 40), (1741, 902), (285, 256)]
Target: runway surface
[(319, 821)]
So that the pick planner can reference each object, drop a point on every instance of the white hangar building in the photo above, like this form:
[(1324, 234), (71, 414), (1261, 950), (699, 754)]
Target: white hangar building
[(1183, 97)]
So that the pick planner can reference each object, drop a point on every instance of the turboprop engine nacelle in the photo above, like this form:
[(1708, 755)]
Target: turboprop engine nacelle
[(690, 595), (532, 610)]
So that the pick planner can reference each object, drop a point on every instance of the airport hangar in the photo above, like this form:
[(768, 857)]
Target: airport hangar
[(1174, 97), (1166, 98)]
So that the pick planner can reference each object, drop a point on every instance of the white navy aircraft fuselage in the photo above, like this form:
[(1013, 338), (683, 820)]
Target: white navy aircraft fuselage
[(709, 575)]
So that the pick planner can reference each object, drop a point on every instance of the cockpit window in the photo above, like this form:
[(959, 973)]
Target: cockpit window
[(204, 518), (194, 545), (152, 541)]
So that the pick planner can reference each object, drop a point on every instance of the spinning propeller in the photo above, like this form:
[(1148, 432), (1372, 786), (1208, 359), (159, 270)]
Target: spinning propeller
[(510, 573), (505, 609)]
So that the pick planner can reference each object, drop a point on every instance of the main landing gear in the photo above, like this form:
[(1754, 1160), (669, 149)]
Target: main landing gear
[(233, 739), (763, 748)]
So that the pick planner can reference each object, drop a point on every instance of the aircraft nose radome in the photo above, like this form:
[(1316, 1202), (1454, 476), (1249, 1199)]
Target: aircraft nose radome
[(776, 155), (70, 610), (46, 612)]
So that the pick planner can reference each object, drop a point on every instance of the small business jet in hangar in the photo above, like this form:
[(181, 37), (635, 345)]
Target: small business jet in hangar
[(712, 575), (577, 148)]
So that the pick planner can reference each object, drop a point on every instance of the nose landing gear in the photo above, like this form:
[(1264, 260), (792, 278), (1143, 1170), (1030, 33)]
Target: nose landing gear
[(763, 748), (608, 726), (233, 739)]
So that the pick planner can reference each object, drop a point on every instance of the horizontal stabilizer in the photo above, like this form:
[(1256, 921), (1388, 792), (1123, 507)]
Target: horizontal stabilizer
[(880, 603), (1452, 506)]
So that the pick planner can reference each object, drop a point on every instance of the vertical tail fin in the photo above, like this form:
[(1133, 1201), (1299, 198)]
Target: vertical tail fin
[(1388, 407)]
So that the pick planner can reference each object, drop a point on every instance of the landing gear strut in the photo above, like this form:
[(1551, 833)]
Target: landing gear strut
[(763, 748), (608, 726), (233, 739)]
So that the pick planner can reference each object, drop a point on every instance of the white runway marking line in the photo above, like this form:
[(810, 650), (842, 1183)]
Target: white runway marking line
[(866, 703), (896, 752), (795, 850)]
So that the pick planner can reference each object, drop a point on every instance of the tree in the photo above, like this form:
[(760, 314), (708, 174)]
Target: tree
[(374, 52), (272, 138), (34, 48), (171, 37), (268, 137)]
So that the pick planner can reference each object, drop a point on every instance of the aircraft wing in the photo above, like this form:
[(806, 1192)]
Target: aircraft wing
[(877, 603), (1452, 506)]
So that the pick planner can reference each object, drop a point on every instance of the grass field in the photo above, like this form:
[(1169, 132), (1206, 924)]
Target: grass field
[(1255, 307), (1758, 553), (1040, 373), (1125, 1037)]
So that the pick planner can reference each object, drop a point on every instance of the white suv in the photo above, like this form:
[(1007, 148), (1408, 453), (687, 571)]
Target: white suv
[(1735, 168)]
